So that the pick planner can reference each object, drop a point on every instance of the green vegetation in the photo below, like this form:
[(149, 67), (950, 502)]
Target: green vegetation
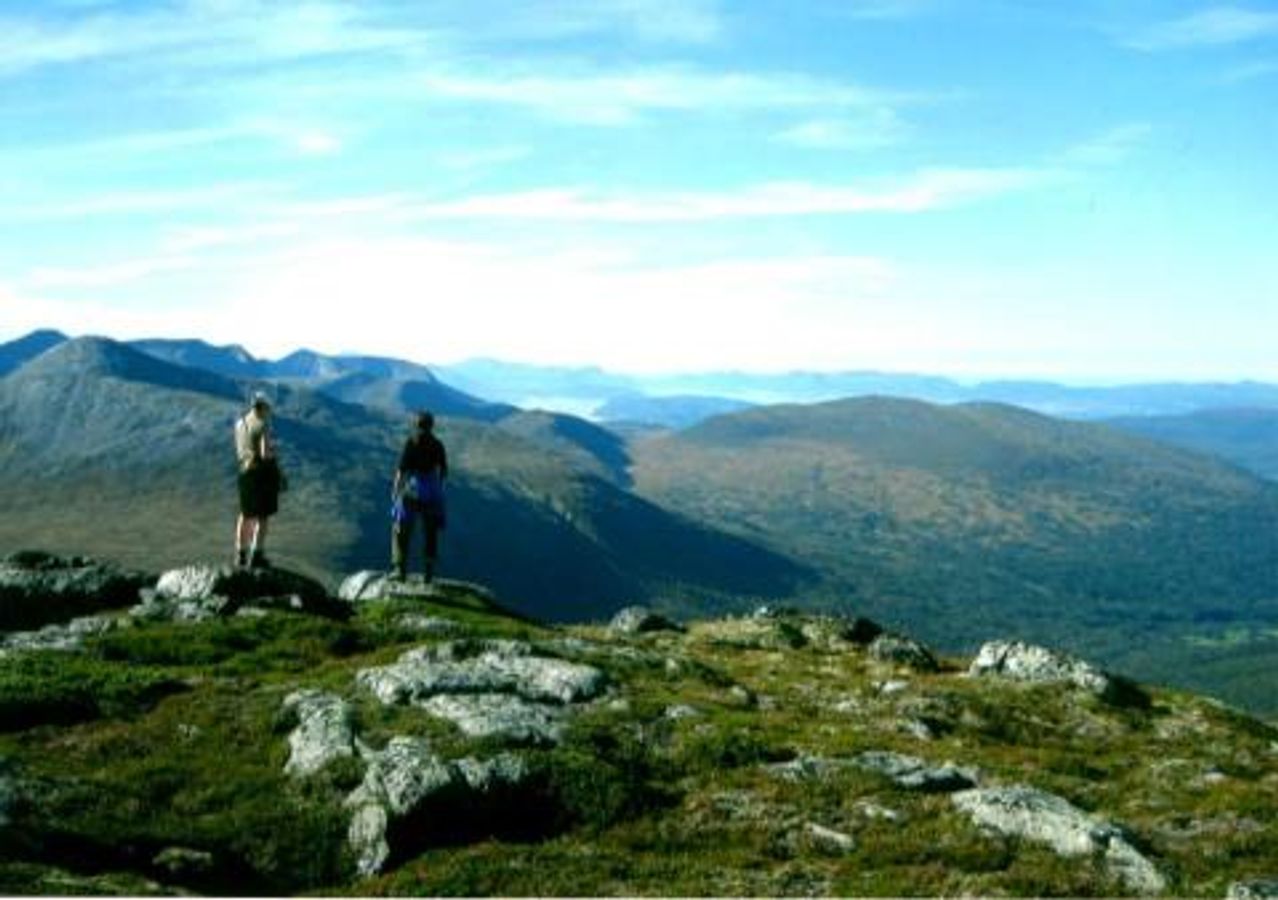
[(178, 740)]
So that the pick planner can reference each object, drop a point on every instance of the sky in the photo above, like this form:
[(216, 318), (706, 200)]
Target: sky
[(1082, 191)]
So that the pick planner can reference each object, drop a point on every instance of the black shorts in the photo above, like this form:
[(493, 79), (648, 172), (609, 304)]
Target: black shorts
[(260, 490)]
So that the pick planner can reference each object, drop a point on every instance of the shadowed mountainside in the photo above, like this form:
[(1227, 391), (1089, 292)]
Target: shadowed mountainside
[(1245, 437), (112, 451)]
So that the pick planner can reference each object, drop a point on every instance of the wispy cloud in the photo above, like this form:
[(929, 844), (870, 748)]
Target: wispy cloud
[(1108, 148), (112, 275), (657, 21), (1214, 26), (217, 198), (882, 127), (610, 98), (926, 190)]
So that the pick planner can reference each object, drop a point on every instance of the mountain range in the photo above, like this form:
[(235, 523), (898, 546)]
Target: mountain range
[(952, 520)]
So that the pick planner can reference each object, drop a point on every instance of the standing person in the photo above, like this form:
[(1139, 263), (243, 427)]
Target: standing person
[(419, 492), (259, 482)]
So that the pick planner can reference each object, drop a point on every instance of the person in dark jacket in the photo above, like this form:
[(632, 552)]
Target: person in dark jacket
[(419, 494)]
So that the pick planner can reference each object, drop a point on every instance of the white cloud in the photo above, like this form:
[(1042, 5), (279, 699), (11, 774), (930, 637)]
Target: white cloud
[(657, 21), (882, 128), (317, 143), (613, 98), (1214, 26), (1108, 148), (1249, 71), (926, 190), (112, 275), (217, 198)]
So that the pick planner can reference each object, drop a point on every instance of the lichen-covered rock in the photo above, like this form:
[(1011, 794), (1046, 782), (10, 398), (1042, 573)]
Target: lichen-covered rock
[(407, 776), (914, 774), (902, 651), (506, 717), (183, 863), (640, 620), (1254, 889), (39, 588), (66, 637), (200, 592), (482, 667), (1018, 661), (830, 840), (324, 731), (1045, 818), (808, 767), (757, 632)]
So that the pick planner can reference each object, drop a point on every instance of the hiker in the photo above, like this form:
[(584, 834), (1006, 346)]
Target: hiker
[(419, 493), (260, 482)]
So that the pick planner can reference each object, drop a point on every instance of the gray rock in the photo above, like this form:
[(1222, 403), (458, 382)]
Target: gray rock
[(67, 637), (806, 767), (199, 592), (407, 775), (506, 717), (324, 731), (482, 667), (914, 774), (1253, 889), (903, 651), (639, 620), (830, 840), (1045, 818), (429, 625), (681, 711), (1019, 661), (37, 589)]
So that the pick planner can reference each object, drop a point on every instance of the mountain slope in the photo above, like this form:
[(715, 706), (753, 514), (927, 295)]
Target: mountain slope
[(961, 520), (18, 352), (108, 450), (1245, 437)]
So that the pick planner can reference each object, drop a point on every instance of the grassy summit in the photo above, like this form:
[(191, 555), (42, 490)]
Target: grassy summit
[(720, 760)]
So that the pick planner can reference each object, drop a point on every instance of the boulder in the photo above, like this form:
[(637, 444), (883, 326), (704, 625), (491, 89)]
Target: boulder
[(324, 731), (200, 592), (482, 667), (807, 767), (39, 588), (66, 637), (1018, 661), (640, 620), (914, 774), (405, 779), (1044, 818), (1253, 889), (830, 840), (902, 651), (506, 717)]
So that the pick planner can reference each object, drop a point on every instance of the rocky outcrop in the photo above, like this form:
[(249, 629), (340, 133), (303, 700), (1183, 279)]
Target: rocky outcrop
[(914, 774), (66, 637), (908, 772), (407, 779), (1018, 661), (903, 651), (39, 588), (200, 592), (640, 620), (1044, 818), (1255, 889), (324, 731), (497, 689)]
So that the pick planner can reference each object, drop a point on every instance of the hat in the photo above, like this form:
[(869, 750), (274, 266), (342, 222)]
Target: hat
[(260, 399)]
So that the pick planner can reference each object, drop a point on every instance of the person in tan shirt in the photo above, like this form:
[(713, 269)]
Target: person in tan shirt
[(259, 482)]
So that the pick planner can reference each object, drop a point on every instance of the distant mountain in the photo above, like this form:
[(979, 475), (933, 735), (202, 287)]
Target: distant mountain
[(108, 450), (680, 411), (1245, 437), (232, 361), (18, 352), (564, 389), (971, 519)]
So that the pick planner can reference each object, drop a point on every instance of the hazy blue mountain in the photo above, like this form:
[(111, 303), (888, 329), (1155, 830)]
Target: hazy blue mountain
[(404, 395), (679, 411), (1245, 437), (565, 389), (18, 352), (232, 360), (110, 451)]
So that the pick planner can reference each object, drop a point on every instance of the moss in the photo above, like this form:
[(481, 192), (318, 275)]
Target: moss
[(57, 688)]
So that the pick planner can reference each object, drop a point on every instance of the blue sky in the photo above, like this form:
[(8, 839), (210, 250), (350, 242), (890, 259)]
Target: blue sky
[(1083, 191)]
